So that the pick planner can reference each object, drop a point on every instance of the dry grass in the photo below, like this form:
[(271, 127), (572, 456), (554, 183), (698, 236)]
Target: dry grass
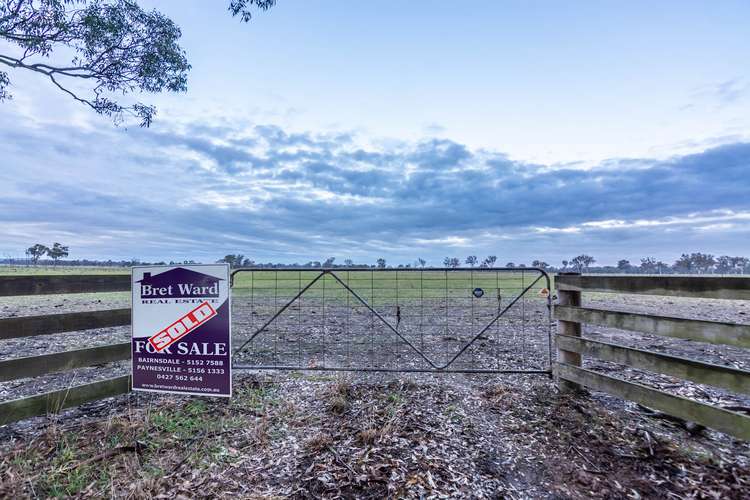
[(339, 395), (289, 437), (318, 443), (368, 436)]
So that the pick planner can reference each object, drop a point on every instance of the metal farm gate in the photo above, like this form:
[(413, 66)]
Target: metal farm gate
[(406, 320)]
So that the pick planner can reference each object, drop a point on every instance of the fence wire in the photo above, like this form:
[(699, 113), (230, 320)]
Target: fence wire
[(457, 320)]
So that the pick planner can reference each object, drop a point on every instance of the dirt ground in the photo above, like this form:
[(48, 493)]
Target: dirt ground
[(311, 436)]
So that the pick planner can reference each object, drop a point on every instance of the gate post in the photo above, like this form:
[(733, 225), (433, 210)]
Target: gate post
[(572, 328)]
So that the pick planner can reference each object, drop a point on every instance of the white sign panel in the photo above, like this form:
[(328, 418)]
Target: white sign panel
[(181, 338)]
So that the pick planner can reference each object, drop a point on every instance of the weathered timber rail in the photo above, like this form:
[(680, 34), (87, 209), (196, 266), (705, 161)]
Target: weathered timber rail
[(572, 348), (55, 401), (705, 287), (713, 332), (27, 326), (34, 366), (45, 285)]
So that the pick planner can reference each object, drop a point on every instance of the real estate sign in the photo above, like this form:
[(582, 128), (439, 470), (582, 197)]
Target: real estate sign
[(181, 338)]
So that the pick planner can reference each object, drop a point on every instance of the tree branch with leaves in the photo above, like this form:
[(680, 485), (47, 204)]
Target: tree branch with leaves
[(115, 48)]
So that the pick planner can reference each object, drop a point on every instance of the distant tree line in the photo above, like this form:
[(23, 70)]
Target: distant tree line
[(693, 263), (687, 263), (35, 255)]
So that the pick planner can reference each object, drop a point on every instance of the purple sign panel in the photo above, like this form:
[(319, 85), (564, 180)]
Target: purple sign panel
[(181, 341)]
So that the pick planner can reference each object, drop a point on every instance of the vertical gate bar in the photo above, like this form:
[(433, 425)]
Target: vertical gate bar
[(421, 310), (572, 328), (471, 297), (524, 354), (497, 328), (446, 330), (372, 318), (348, 323), (299, 314), (324, 346), (515, 330), (395, 344), (252, 307), (550, 307), (398, 345), (275, 307), (388, 353)]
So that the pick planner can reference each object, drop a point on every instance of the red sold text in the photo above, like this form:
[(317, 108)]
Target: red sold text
[(182, 326)]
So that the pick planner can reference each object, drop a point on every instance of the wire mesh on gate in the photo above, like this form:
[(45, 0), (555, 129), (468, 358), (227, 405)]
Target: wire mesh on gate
[(450, 320)]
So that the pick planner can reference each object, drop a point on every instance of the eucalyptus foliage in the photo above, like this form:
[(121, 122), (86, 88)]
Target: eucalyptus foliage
[(111, 48)]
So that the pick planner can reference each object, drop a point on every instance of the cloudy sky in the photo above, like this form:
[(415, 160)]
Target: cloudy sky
[(527, 130)]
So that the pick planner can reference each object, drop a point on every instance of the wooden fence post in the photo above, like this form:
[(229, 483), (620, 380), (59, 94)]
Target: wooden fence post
[(571, 328)]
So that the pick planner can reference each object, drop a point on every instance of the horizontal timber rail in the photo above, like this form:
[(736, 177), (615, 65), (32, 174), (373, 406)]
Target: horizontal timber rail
[(55, 401), (573, 349), (34, 366), (45, 285), (27, 326), (726, 377), (709, 287), (717, 418), (714, 332)]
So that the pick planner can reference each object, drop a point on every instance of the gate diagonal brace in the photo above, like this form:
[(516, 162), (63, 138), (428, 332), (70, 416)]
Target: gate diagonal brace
[(489, 325), (385, 321), (278, 313)]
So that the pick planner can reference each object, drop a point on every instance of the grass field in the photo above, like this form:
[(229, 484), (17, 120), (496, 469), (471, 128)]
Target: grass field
[(59, 270), (387, 284)]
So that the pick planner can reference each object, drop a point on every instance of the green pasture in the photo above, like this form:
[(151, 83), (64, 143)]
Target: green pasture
[(59, 270), (385, 285)]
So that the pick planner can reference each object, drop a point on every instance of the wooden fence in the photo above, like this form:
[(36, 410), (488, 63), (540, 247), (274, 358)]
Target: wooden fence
[(33, 366), (571, 347)]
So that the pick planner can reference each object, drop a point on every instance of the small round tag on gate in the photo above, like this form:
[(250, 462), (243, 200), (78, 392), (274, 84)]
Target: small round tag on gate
[(478, 292)]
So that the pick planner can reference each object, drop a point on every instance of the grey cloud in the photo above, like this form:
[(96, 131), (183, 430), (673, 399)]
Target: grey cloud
[(282, 193)]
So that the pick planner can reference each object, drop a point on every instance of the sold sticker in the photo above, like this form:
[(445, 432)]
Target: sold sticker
[(182, 326)]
